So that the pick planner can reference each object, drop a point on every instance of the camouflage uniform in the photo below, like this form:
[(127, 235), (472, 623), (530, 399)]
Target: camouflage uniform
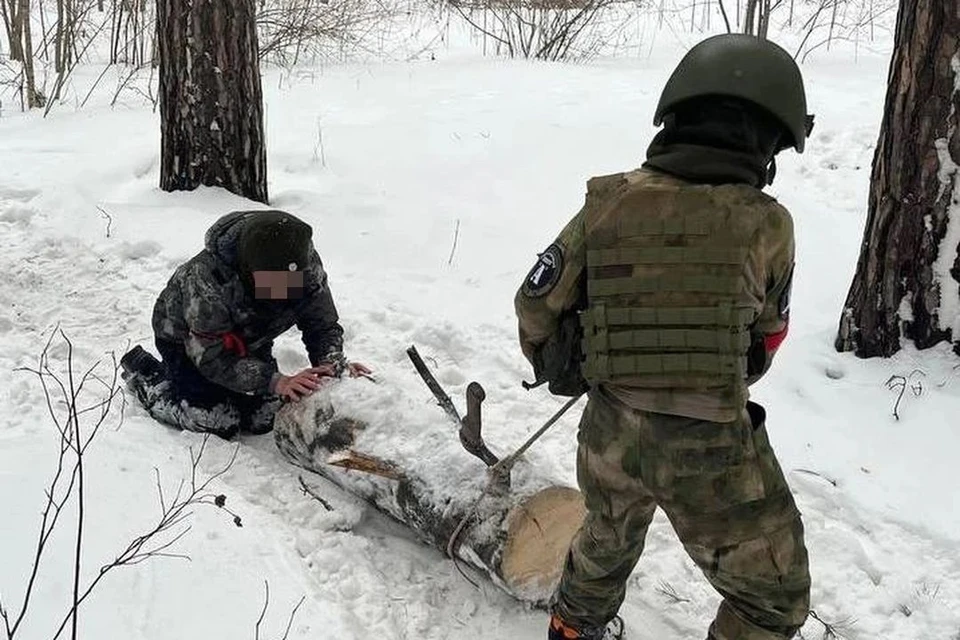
[(683, 292), (216, 338)]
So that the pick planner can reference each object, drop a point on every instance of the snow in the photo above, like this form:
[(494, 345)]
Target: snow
[(949, 308), (415, 154)]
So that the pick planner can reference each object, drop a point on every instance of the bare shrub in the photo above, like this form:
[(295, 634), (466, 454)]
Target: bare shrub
[(546, 29), (79, 406), (292, 32), (843, 20)]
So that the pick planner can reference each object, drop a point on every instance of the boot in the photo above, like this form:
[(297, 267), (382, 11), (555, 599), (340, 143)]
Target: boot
[(560, 630), (140, 362)]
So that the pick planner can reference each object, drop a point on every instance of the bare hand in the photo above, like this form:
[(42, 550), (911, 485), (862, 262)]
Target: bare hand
[(303, 383)]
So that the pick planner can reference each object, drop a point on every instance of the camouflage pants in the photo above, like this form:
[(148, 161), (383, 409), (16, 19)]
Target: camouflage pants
[(725, 495), (181, 397), (224, 418)]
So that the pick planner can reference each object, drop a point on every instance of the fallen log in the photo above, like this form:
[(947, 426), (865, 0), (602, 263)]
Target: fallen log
[(406, 459)]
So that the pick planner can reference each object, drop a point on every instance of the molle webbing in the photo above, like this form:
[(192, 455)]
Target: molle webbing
[(604, 367), (723, 315), (665, 255), (712, 344), (721, 284), (668, 339), (648, 282)]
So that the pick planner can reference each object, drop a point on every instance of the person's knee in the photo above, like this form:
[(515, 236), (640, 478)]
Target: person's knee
[(260, 418), (765, 582), (221, 420)]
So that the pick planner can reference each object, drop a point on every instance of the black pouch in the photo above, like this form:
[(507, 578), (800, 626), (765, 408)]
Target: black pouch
[(558, 361)]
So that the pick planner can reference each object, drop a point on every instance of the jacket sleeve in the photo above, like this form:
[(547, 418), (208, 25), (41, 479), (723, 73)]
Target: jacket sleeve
[(554, 285), (212, 344), (317, 317), (776, 249)]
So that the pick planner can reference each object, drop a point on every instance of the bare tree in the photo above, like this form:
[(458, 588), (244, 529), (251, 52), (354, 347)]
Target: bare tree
[(13, 25), (756, 20), (132, 27), (211, 105), (906, 279), (34, 98)]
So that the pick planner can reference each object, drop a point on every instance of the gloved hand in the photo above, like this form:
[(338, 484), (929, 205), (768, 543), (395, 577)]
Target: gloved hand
[(339, 364), (355, 369)]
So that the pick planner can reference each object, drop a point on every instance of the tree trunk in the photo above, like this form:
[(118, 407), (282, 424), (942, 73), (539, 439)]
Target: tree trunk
[(750, 17), (906, 279), (211, 105), (7, 26), (34, 98), (764, 20), (116, 23), (12, 22), (407, 462), (60, 39)]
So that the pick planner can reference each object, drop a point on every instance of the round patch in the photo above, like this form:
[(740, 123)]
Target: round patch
[(292, 266), (545, 273)]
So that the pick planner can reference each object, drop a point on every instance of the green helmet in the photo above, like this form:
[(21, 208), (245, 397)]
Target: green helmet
[(745, 67)]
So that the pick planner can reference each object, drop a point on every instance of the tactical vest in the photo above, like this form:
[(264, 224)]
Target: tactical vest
[(665, 287)]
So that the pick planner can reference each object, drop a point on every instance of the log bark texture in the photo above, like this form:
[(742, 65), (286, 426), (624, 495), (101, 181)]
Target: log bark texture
[(211, 100), (899, 286), (519, 536)]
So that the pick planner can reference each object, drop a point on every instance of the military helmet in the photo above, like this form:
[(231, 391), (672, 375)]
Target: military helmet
[(745, 67)]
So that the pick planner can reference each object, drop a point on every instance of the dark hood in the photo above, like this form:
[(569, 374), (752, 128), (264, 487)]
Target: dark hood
[(223, 237), (717, 142)]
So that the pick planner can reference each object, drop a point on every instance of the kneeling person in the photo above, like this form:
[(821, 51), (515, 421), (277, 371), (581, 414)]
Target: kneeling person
[(215, 322)]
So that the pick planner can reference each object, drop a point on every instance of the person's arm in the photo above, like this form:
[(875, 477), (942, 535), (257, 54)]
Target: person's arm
[(318, 320), (213, 345), (552, 287), (775, 248)]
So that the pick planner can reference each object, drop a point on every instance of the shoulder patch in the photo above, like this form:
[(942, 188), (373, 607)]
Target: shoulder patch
[(545, 273)]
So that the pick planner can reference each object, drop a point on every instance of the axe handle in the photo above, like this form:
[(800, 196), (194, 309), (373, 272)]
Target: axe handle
[(475, 396), (470, 435)]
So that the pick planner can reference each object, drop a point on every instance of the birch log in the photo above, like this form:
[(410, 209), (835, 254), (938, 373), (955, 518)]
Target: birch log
[(406, 460)]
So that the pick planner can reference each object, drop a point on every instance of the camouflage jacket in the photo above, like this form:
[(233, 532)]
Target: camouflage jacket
[(225, 331), (557, 282)]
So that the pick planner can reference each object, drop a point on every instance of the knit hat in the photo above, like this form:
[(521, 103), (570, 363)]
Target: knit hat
[(273, 241)]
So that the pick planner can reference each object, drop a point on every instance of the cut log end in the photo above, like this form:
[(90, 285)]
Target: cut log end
[(539, 532)]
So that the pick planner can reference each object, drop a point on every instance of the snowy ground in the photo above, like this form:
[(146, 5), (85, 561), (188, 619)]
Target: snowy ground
[(414, 155)]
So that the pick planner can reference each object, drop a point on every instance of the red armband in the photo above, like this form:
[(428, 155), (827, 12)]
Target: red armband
[(772, 341), (232, 342)]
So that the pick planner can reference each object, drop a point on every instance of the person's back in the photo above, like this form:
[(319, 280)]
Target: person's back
[(677, 279), (678, 274)]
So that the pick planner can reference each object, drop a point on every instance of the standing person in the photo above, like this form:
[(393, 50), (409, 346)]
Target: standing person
[(678, 276), (215, 322)]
